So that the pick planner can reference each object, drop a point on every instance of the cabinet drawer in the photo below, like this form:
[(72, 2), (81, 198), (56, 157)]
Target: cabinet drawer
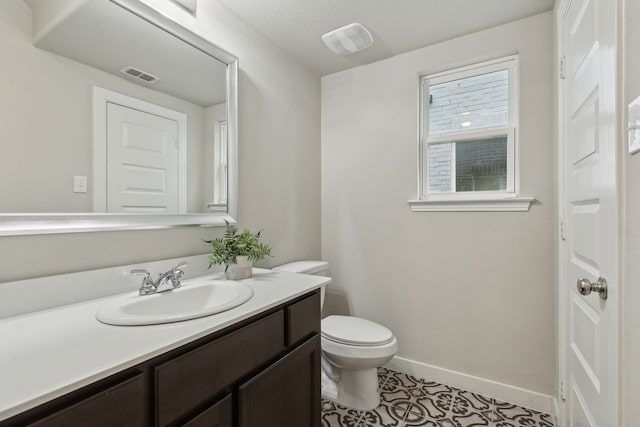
[(119, 405), (303, 319), (187, 381), (218, 415)]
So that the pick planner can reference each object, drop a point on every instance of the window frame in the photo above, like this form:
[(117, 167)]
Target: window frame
[(471, 200), (468, 136), (220, 166), (223, 156)]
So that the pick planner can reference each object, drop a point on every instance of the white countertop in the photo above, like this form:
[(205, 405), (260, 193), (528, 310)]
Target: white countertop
[(46, 354)]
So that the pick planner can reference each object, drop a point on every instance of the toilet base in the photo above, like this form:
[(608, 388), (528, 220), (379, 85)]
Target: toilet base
[(357, 389)]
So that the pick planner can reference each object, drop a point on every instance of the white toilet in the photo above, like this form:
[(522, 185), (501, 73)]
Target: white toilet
[(352, 350)]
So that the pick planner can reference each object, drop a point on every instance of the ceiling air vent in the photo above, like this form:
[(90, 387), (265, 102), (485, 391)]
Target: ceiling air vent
[(139, 74), (348, 39)]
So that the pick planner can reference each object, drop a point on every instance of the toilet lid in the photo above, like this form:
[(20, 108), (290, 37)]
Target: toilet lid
[(355, 331)]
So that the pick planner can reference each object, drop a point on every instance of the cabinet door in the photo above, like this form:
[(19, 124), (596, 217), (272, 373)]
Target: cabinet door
[(190, 380), (285, 394), (119, 405), (218, 415)]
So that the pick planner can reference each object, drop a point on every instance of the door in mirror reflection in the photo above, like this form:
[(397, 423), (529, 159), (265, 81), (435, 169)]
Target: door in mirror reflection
[(142, 162)]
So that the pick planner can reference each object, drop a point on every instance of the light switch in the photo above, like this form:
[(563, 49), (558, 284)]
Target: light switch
[(79, 184), (633, 127)]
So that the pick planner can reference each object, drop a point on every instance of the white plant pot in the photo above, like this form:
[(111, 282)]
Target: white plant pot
[(241, 269)]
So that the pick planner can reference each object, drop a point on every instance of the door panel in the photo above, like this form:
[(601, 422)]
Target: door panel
[(590, 204), (142, 161), (584, 245), (585, 143), (583, 32), (579, 415), (585, 344)]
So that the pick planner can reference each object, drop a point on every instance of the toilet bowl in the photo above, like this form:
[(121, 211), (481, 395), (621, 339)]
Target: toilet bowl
[(352, 350)]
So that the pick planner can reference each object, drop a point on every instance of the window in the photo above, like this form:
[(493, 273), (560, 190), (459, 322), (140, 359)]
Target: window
[(220, 168), (468, 131)]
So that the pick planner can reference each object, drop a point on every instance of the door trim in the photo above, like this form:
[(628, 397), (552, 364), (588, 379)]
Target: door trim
[(102, 97)]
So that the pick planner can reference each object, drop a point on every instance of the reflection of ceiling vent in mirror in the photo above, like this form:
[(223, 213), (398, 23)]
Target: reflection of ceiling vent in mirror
[(139, 74)]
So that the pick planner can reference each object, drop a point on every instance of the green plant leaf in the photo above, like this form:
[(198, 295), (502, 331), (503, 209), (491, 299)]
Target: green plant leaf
[(225, 249)]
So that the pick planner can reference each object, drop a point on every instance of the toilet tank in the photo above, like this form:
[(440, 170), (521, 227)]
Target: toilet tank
[(316, 268)]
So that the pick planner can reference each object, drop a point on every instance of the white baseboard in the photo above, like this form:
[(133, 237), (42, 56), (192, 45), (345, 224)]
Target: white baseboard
[(500, 391)]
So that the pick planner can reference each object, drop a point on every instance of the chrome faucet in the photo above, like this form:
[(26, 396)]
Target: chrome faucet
[(149, 286)]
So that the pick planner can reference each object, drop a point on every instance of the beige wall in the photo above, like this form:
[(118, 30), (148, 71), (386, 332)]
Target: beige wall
[(279, 133), (470, 292), (630, 289)]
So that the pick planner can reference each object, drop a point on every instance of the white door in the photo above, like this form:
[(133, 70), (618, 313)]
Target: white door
[(588, 197), (142, 161)]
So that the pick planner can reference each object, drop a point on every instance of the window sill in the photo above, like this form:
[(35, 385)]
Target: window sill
[(217, 207), (511, 204)]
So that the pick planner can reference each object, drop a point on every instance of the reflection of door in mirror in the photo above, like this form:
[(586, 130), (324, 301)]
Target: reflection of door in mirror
[(139, 155), (142, 162)]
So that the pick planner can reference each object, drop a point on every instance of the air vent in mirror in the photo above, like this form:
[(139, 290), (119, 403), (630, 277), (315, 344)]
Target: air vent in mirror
[(139, 74)]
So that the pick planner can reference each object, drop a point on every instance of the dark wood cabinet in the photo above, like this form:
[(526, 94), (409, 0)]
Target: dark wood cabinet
[(119, 405), (303, 319), (261, 372), (285, 394), (187, 381), (218, 415)]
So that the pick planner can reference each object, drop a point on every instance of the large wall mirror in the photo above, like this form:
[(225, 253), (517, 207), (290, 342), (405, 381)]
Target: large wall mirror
[(113, 117)]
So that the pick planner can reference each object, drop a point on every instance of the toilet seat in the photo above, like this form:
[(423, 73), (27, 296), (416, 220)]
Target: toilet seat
[(360, 352), (350, 330)]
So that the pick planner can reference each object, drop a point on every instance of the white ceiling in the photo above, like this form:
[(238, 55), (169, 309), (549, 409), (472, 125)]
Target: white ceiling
[(397, 26)]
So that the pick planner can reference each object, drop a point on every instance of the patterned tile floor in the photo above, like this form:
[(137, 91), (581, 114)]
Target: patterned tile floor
[(408, 401)]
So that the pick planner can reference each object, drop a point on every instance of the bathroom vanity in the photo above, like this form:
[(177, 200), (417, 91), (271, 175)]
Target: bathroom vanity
[(255, 365)]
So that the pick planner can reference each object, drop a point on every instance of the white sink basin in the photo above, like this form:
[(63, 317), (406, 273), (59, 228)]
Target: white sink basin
[(196, 298)]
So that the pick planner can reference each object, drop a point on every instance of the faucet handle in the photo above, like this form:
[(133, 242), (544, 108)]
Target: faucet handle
[(177, 274), (178, 267), (177, 270), (141, 271), (147, 287)]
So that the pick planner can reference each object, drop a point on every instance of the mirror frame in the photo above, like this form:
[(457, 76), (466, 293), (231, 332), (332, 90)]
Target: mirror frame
[(53, 223)]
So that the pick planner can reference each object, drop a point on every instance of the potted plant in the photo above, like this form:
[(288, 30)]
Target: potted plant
[(237, 251)]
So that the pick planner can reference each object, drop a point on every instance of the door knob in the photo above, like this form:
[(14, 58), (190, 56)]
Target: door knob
[(585, 287)]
